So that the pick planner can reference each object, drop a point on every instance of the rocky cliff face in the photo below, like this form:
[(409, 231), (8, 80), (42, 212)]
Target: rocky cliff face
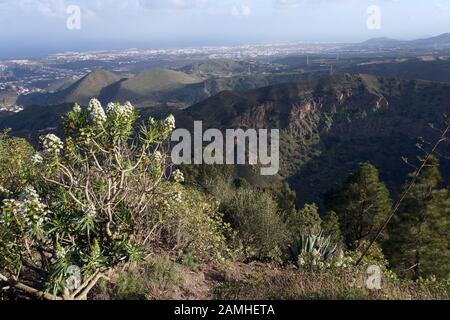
[(329, 126)]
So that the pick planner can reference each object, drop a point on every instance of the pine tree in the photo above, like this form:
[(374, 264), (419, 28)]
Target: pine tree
[(331, 227), (418, 234), (362, 204)]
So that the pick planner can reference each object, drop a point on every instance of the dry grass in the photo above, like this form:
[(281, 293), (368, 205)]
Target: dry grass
[(301, 285)]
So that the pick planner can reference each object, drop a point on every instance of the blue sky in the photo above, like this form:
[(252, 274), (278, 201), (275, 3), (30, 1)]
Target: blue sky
[(30, 27)]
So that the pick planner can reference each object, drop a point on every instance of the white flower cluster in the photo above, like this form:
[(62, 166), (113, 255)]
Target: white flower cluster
[(169, 123), (8, 204), (342, 261), (30, 194), (76, 108), (90, 211), (178, 176), (123, 111), (52, 144), (177, 197), (28, 207), (111, 108), (85, 135), (37, 158), (61, 252), (315, 260), (96, 112), (310, 260), (158, 157)]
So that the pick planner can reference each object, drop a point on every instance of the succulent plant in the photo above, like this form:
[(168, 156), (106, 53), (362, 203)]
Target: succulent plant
[(314, 249), (317, 243)]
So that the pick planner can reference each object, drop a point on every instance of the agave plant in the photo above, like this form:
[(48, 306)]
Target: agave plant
[(315, 249), (318, 243)]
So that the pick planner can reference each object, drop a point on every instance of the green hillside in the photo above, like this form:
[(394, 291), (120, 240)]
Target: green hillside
[(157, 80), (216, 67), (147, 87), (81, 91)]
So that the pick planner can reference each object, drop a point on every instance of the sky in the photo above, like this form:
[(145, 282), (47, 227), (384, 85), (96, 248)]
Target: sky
[(37, 27)]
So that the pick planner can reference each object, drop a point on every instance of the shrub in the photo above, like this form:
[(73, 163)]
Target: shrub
[(161, 273), (256, 218), (16, 167), (151, 279), (129, 286), (305, 220), (190, 219), (99, 199), (189, 258)]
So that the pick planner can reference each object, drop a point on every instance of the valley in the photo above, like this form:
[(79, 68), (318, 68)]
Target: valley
[(357, 123)]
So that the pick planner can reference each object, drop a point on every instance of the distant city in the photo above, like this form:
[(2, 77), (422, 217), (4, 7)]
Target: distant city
[(51, 73)]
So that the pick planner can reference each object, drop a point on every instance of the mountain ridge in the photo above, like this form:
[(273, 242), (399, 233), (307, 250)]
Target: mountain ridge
[(341, 120), (442, 40)]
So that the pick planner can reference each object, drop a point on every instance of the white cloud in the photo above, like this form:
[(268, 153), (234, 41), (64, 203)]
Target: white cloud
[(288, 3), (172, 4), (58, 7), (241, 10), (246, 11), (297, 3), (42, 7)]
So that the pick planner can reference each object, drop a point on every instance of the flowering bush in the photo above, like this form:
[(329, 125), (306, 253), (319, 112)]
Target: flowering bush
[(52, 145), (107, 196), (96, 113), (178, 176), (22, 226)]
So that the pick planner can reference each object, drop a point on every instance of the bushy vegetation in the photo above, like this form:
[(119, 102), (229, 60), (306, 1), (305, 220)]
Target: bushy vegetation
[(104, 209), (150, 280), (102, 197), (16, 169), (256, 218)]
